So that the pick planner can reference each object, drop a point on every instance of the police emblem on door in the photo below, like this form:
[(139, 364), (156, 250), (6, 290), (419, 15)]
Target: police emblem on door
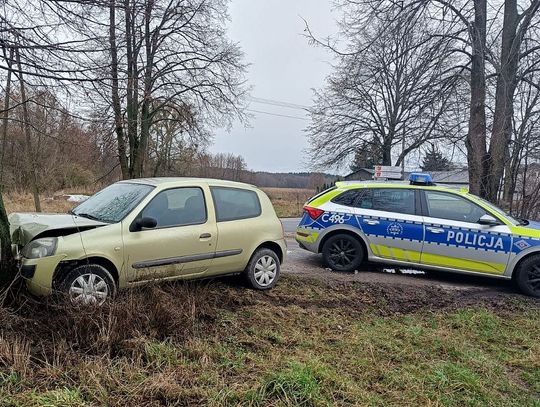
[(394, 229)]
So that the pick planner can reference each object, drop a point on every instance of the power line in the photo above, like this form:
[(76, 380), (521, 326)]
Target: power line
[(277, 114), (273, 102)]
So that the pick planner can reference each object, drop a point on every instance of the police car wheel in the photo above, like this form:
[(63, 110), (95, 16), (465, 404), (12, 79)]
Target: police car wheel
[(262, 271), (343, 253), (528, 276)]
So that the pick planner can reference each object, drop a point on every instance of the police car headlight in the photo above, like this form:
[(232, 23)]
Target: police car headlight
[(39, 248)]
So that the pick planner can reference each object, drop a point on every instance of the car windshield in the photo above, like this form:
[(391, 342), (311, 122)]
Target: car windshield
[(113, 203), (502, 212)]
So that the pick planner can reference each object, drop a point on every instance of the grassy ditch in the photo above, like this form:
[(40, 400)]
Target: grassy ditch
[(306, 343)]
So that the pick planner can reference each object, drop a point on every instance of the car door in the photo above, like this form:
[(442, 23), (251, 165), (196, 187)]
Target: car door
[(183, 242), (454, 238), (390, 220)]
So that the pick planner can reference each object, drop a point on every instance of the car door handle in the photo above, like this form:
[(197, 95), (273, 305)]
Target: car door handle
[(371, 221), (436, 230), (205, 236)]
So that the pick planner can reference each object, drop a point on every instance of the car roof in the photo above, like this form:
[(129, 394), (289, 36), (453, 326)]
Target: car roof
[(400, 184), (179, 181)]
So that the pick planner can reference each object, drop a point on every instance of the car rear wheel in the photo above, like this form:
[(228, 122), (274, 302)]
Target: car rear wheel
[(343, 253), (89, 284), (262, 271), (528, 276)]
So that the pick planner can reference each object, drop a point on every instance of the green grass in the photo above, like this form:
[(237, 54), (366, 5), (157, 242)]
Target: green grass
[(266, 349)]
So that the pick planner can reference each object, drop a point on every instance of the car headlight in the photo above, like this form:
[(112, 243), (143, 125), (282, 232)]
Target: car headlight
[(40, 248)]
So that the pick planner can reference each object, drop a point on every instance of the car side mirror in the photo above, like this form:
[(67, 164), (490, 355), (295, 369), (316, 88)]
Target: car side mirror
[(488, 220), (144, 223)]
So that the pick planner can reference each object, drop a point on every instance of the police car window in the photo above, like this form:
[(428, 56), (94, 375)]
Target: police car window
[(388, 200), (349, 198), (452, 207)]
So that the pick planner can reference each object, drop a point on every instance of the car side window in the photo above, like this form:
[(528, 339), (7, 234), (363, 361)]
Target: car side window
[(235, 203), (177, 207), (349, 198), (398, 200), (452, 207)]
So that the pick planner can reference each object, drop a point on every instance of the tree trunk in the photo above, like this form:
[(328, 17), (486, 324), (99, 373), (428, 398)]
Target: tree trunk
[(476, 137), (132, 98), (146, 119), (7, 263), (118, 120), (504, 101), (387, 152), (28, 136), (6, 116)]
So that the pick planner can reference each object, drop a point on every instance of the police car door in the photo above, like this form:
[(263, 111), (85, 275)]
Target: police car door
[(454, 238), (392, 223)]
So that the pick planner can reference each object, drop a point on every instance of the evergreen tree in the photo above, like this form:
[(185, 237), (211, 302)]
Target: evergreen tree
[(434, 160)]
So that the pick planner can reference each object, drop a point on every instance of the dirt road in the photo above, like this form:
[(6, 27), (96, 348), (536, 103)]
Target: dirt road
[(303, 263)]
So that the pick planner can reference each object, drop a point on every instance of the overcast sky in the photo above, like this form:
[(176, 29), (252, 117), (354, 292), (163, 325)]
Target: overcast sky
[(284, 68)]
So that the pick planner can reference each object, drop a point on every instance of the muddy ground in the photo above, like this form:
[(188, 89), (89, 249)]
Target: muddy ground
[(302, 263)]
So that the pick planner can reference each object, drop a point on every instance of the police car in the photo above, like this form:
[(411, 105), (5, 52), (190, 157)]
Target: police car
[(420, 225)]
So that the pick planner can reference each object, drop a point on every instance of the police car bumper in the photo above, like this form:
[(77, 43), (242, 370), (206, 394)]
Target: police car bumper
[(308, 239)]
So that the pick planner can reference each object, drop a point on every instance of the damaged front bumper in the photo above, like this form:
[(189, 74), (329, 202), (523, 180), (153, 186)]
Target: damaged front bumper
[(39, 273)]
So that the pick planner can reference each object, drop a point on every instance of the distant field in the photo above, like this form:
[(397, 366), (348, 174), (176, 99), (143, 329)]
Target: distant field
[(23, 202), (287, 201)]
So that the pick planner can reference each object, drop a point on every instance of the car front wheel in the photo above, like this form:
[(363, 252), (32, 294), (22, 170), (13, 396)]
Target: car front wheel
[(262, 271), (89, 284), (528, 276), (343, 253)]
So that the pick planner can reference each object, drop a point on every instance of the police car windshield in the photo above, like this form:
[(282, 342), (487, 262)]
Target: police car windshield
[(501, 212)]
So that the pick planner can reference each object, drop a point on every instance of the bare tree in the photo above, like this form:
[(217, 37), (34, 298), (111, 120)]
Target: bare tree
[(391, 88)]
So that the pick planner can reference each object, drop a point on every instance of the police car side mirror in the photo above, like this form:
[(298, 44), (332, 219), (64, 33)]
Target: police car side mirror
[(488, 220)]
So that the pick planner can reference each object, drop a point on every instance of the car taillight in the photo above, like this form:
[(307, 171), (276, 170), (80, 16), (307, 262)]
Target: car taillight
[(313, 213)]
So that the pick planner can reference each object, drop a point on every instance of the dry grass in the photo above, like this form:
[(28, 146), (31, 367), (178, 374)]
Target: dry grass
[(288, 202), (304, 343), (50, 203)]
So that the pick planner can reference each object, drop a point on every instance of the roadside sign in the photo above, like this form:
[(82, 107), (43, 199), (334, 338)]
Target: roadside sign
[(388, 172), (387, 168)]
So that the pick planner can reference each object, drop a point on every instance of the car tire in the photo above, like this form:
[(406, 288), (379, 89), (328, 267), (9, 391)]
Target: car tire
[(263, 269), (343, 252), (527, 276), (89, 284)]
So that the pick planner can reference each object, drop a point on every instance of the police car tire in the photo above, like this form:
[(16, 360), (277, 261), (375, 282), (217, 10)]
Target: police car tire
[(355, 244), (258, 260), (522, 277)]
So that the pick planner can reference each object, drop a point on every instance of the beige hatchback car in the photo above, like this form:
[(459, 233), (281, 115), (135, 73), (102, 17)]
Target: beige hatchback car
[(143, 230)]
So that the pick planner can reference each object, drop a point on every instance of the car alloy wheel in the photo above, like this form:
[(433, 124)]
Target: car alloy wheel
[(527, 276), (89, 289), (532, 278), (343, 252), (265, 271)]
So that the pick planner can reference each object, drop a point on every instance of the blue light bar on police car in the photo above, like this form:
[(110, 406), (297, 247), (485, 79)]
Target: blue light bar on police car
[(420, 179)]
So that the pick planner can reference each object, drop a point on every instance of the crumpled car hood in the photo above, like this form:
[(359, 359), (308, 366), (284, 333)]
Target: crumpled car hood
[(24, 227)]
